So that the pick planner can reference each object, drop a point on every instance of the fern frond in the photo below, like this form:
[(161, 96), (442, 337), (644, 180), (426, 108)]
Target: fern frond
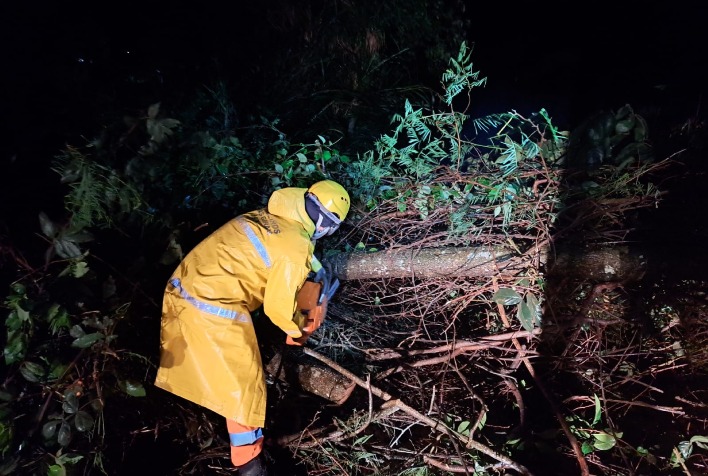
[(96, 193)]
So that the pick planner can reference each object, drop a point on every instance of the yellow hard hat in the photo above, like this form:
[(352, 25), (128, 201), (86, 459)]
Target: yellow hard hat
[(331, 196)]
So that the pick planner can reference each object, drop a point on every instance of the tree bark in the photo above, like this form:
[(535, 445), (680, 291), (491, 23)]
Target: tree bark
[(601, 265)]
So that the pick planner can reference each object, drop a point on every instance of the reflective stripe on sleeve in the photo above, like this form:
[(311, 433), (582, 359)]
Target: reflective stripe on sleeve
[(254, 240), (246, 437), (208, 308)]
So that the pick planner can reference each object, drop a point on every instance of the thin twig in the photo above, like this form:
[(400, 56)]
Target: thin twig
[(432, 423), (584, 469)]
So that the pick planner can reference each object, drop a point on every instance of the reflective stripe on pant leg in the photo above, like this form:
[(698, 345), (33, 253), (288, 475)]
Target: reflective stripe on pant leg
[(248, 442)]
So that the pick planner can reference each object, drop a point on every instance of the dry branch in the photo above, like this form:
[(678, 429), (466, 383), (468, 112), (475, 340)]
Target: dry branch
[(391, 403)]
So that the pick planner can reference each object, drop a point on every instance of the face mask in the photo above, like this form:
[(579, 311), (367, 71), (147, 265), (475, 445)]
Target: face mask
[(327, 223), (321, 231)]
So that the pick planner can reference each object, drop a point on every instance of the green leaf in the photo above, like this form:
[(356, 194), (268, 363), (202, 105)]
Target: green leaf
[(534, 308), (15, 348), (506, 296), (64, 435), (31, 371), (56, 470), (16, 318), (279, 168), (87, 340), (132, 388), (525, 316), (78, 237), (587, 448), (67, 249), (625, 126), (153, 110), (13, 322), (699, 440), (7, 431), (361, 440), (604, 441), (48, 228), (69, 458), (58, 318), (49, 429), (77, 331), (598, 411), (79, 269), (57, 370), (83, 421), (71, 403)]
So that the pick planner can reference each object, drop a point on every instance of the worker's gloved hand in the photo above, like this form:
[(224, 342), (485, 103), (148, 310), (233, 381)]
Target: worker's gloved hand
[(329, 281), (301, 319), (297, 340)]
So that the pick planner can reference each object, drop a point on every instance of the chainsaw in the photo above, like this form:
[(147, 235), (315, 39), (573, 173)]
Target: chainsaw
[(312, 300)]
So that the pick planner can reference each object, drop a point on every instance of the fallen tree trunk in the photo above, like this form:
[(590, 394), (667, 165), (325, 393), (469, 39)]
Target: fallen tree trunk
[(601, 265)]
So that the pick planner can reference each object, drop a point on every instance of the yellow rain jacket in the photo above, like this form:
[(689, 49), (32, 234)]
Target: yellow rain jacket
[(209, 353)]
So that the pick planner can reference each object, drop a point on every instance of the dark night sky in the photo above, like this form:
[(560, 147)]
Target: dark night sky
[(570, 57), (584, 55)]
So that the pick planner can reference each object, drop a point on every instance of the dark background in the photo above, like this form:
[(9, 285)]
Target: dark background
[(67, 64)]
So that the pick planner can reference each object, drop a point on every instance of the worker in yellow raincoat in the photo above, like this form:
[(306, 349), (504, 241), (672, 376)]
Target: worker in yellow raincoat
[(209, 352)]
